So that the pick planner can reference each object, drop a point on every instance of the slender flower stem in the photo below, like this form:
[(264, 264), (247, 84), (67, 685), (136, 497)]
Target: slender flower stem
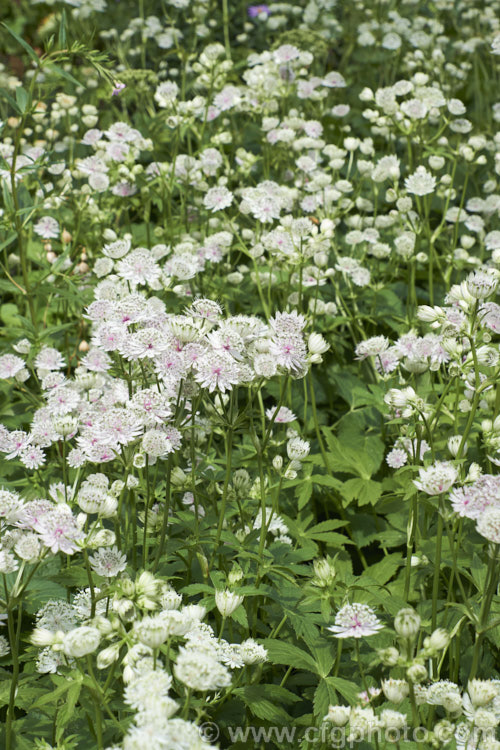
[(225, 22), (491, 585), (437, 566)]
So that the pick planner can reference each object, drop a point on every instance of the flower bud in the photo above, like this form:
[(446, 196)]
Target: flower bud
[(151, 631), (317, 344), (454, 445), (278, 463), (438, 640), (324, 571), (407, 623), (235, 576), (177, 477), (388, 656), (227, 601), (125, 609), (108, 656), (81, 641), (416, 673)]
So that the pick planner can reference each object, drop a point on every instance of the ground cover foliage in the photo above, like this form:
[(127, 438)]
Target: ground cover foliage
[(249, 374)]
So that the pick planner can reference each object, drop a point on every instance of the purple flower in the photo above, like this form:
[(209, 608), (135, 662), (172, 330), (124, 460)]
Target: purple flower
[(254, 11), (118, 87)]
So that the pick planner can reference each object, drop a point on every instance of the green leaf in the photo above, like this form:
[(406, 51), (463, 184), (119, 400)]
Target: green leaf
[(66, 712), (280, 652), (262, 700), (348, 690), (31, 52), (52, 68), (22, 98), (363, 490), (240, 616), (5, 95), (62, 30), (383, 571), (9, 313), (324, 696), (303, 493)]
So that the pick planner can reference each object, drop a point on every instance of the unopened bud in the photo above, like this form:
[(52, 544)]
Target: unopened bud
[(407, 623)]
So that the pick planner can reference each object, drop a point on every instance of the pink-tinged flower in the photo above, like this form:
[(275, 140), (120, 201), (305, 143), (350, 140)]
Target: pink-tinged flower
[(215, 370), (437, 478), (472, 500), (217, 198), (58, 530), (10, 365), (283, 416), (355, 621), (397, 458), (47, 227), (289, 352), (119, 86)]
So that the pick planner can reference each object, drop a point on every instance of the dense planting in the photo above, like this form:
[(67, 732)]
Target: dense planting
[(249, 375)]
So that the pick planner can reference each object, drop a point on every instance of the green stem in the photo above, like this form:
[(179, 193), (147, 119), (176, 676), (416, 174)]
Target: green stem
[(437, 567), (225, 21), (490, 587)]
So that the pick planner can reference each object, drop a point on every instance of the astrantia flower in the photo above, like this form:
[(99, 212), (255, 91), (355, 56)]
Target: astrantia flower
[(108, 562), (355, 621), (10, 365), (437, 478), (397, 458), (58, 529), (217, 198), (81, 641), (47, 227), (56, 615), (472, 500), (488, 524), (215, 370), (283, 416), (420, 182)]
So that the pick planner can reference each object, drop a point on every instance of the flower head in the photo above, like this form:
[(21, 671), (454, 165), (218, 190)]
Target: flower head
[(355, 621), (437, 478)]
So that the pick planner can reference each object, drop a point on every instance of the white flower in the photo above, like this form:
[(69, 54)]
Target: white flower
[(217, 198), (338, 715), (108, 562), (47, 227), (355, 621), (81, 641), (437, 478), (297, 449), (488, 524), (152, 631), (420, 182), (227, 601)]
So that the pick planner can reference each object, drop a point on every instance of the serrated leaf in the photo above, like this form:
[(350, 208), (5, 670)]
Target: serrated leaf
[(280, 652), (66, 712), (384, 570), (303, 494), (365, 491), (348, 690), (240, 616)]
